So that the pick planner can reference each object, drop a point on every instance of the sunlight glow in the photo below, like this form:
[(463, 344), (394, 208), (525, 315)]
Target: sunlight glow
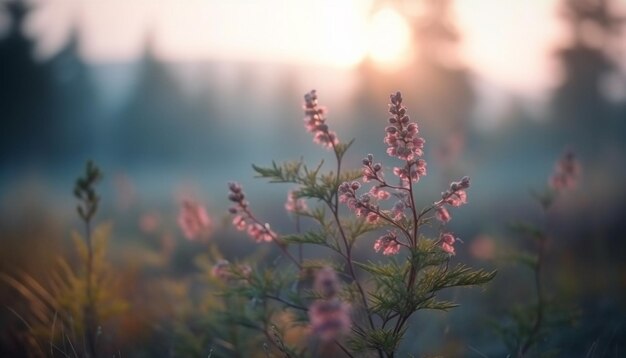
[(389, 37), (325, 32), (511, 43)]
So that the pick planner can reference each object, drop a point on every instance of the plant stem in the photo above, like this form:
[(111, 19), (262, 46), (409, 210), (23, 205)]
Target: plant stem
[(334, 207), (89, 309), (538, 288)]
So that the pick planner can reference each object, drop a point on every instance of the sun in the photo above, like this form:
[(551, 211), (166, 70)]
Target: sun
[(389, 38)]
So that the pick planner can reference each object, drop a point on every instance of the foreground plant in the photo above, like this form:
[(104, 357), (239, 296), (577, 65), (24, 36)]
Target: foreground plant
[(67, 309), (527, 324), (354, 304)]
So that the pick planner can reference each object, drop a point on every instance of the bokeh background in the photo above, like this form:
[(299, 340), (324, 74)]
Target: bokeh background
[(175, 98)]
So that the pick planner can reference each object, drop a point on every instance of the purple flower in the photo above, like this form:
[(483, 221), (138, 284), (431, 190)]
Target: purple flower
[(329, 318)]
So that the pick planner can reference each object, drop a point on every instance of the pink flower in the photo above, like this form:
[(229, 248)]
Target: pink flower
[(397, 210), (239, 222), (401, 136), (566, 172), (388, 243), (457, 198), (329, 318), (316, 123), (372, 217), (295, 205), (194, 220), (447, 243), (412, 171), (369, 174), (454, 196), (372, 171), (442, 214), (362, 206), (379, 194), (261, 233)]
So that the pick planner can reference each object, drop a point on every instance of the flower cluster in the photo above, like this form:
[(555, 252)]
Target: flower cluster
[(194, 220), (243, 217), (364, 205), (403, 141), (329, 316), (388, 243), (454, 196), (295, 205), (316, 123), (566, 172), (447, 242)]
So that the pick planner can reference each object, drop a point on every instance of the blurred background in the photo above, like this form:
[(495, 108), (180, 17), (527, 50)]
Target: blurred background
[(173, 99)]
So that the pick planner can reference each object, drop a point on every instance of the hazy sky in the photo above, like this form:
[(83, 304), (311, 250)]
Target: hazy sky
[(506, 43)]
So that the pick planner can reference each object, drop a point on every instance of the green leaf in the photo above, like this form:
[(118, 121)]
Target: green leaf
[(462, 275), (308, 237), (288, 172), (438, 305), (342, 148)]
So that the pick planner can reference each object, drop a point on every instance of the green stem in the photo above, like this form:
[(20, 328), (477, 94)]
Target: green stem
[(334, 207)]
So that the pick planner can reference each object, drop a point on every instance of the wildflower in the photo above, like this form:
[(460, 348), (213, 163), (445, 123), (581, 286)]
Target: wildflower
[(388, 243), (316, 123), (194, 220), (295, 205), (566, 172), (363, 205), (401, 136), (454, 196), (257, 231), (379, 194), (261, 233), (457, 198), (326, 282), (412, 171), (442, 214), (372, 171), (372, 217), (239, 222), (397, 210), (447, 243), (329, 318)]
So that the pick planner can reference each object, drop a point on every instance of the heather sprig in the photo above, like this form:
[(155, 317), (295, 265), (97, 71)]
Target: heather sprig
[(363, 305), (526, 324)]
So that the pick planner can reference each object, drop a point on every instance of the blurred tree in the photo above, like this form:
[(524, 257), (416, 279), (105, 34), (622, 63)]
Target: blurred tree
[(445, 94), (75, 102), (25, 95), (152, 125), (579, 100)]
